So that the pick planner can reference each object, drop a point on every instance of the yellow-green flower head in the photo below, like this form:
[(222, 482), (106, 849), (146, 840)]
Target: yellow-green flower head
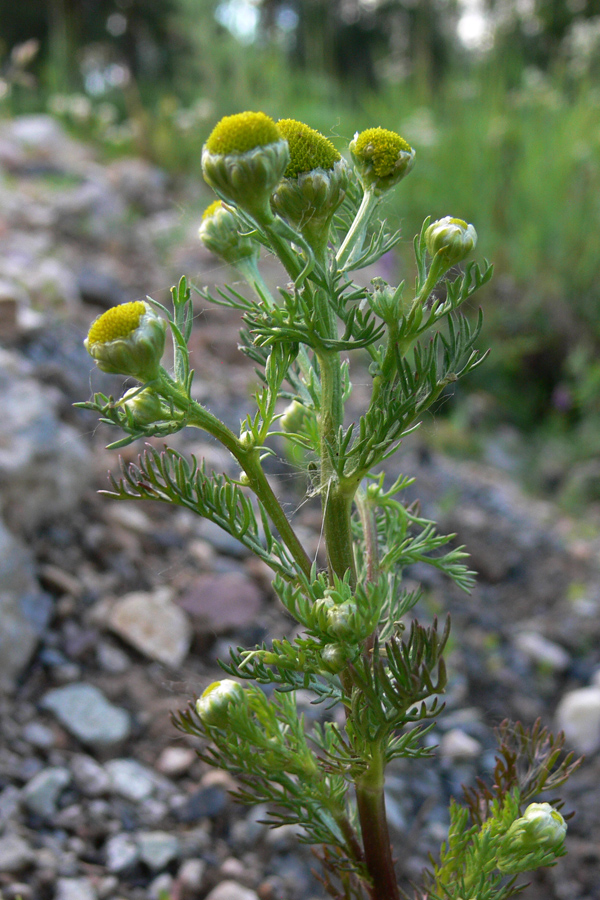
[(314, 185), (144, 406), (242, 132), (309, 149), (535, 839), (381, 158), (128, 340), (452, 239), (243, 161), (220, 233), (213, 705)]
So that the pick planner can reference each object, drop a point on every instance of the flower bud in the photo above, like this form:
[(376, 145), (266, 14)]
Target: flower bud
[(535, 839), (314, 183), (219, 232), (243, 161), (128, 340), (213, 705), (385, 301), (334, 658), (341, 621), (381, 158), (144, 406), (452, 239), (293, 416)]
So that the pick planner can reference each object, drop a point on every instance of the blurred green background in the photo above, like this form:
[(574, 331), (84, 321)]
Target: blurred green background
[(500, 98)]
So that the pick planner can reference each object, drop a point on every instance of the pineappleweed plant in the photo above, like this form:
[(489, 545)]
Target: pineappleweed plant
[(284, 188)]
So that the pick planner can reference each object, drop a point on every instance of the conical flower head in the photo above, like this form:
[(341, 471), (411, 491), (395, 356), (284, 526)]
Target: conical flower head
[(381, 158), (243, 161), (450, 239), (220, 233), (213, 705), (128, 339), (314, 183)]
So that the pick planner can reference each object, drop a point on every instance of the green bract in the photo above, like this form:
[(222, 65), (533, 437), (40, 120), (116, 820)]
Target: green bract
[(128, 340)]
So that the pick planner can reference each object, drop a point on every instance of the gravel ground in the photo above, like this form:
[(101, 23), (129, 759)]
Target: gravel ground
[(112, 616)]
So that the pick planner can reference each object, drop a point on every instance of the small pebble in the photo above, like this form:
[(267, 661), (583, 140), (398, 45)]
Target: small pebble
[(39, 735), (75, 889), (231, 890), (157, 848), (160, 886), (121, 852), (175, 761), (130, 779), (89, 776), (457, 744), (41, 794), (541, 651), (578, 715), (15, 854), (191, 874)]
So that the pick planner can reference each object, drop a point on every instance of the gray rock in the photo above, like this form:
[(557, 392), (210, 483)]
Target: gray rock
[(130, 779), (10, 799), (158, 848), (121, 852), (75, 889), (25, 609), (153, 625), (89, 776), (87, 715), (39, 735), (15, 854), (44, 464), (222, 602), (42, 792), (231, 890)]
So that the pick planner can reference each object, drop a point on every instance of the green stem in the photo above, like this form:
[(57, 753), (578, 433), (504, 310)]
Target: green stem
[(251, 273), (370, 801), (249, 460), (354, 240), (336, 499)]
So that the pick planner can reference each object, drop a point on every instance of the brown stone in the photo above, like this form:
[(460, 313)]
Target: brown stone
[(221, 602)]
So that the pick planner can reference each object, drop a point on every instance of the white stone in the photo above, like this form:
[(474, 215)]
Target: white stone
[(153, 625), (90, 777), (174, 761), (75, 889), (158, 848), (121, 852), (578, 715), (457, 744), (231, 890), (130, 779), (191, 874), (540, 650), (160, 887)]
